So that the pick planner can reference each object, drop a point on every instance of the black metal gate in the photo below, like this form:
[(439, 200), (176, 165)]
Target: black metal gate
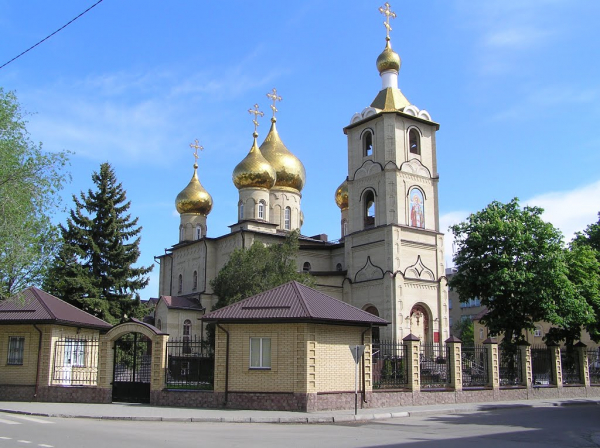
[(132, 369)]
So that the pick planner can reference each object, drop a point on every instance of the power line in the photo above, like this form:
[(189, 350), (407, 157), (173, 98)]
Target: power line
[(49, 36)]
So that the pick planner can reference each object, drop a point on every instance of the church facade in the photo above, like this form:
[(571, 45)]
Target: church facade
[(390, 259)]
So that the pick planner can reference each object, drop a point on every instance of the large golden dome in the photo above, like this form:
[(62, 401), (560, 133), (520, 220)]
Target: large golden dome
[(290, 171), (341, 195), (194, 198), (254, 171), (388, 59)]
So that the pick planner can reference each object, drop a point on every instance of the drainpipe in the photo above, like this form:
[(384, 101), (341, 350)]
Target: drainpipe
[(39, 360), (226, 362), (362, 339)]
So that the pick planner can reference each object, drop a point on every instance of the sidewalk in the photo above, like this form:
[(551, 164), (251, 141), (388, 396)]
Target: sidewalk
[(142, 412)]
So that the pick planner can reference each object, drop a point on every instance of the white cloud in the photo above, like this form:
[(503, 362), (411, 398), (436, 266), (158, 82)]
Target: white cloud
[(571, 211)]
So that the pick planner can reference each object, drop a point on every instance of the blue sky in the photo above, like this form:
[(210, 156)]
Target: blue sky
[(515, 86)]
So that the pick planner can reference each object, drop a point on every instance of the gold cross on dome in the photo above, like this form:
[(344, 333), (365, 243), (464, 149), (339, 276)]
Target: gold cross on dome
[(388, 13), (195, 146), (274, 97), (257, 113)]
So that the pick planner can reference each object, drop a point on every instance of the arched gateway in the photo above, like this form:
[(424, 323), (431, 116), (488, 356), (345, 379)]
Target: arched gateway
[(134, 361)]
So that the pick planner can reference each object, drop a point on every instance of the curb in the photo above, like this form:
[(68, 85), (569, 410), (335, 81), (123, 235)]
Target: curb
[(344, 418)]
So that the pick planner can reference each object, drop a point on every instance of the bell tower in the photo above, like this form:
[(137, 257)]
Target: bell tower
[(394, 248)]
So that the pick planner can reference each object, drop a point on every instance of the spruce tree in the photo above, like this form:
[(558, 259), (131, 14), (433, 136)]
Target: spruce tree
[(100, 244)]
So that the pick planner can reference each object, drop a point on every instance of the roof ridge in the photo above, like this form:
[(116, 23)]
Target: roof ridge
[(302, 300), (35, 292), (64, 302)]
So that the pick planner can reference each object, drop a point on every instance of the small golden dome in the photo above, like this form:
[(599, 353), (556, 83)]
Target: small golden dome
[(194, 198), (254, 171), (290, 171), (388, 59), (341, 195)]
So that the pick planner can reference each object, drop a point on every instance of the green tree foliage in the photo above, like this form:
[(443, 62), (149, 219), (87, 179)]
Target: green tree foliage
[(515, 263), (257, 269), (465, 331), (590, 237), (30, 180), (94, 269)]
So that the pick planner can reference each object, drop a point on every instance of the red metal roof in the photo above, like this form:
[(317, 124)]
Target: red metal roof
[(183, 303), (32, 305), (295, 302)]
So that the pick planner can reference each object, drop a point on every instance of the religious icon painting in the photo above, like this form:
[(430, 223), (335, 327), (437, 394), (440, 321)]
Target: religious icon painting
[(417, 208)]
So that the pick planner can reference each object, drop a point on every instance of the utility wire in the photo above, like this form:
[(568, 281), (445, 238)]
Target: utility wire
[(48, 37)]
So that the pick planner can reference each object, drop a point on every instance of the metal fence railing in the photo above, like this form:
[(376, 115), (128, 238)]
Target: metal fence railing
[(593, 355), (571, 368), (75, 362), (474, 366), (541, 366), (511, 370), (434, 366), (190, 364), (390, 365)]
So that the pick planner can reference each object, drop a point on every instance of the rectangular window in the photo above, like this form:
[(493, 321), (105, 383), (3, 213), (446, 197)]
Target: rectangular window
[(260, 353), (75, 353), (16, 346)]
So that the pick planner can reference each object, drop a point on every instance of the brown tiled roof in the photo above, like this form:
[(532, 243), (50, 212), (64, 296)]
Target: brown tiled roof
[(181, 303), (32, 305), (293, 302)]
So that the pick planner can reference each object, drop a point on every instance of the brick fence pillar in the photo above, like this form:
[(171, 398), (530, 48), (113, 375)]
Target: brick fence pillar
[(413, 345), (555, 365), (493, 363), (526, 372), (455, 361), (581, 350)]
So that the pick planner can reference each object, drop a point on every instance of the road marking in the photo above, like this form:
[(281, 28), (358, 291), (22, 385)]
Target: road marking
[(9, 422), (23, 441), (6, 438), (46, 446), (32, 419)]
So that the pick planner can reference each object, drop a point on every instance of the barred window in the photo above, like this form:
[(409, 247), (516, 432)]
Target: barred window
[(75, 352), (260, 353), (16, 346)]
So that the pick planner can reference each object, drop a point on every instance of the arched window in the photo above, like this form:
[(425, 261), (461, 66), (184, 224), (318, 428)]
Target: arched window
[(414, 141), (159, 324), (181, 233), (261, 210), (241, 211), (416, 208), (198, 232), (180, 283), (344, 228), (306, 267), (338, 267), (195, 283), (369, 209), (367, 143), (287, 219), (187, 327)]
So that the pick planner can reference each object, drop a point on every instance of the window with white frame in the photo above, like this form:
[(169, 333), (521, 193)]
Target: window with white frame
[(287, 223), (260, 353), (538, 332), (16, 347), (74, 353), (261, 210), (198, 231)]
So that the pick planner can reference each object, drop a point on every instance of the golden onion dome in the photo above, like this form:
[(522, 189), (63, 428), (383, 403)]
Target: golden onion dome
[(388, 59), (341, 195), (194, 198), (254, 171), (290, 171)]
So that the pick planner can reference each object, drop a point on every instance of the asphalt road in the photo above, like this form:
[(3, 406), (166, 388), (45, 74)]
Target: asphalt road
[(572, 426)]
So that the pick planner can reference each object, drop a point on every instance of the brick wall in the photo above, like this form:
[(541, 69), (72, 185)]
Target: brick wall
[(65, 394)]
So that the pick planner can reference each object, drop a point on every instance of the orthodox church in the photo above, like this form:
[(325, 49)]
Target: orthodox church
[(390, 259)]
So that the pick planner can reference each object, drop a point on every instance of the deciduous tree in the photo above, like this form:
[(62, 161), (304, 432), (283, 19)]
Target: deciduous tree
[(515, 263), (30, 180)]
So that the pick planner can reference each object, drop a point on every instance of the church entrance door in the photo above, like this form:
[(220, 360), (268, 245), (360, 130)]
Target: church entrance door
[(132, 369)]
